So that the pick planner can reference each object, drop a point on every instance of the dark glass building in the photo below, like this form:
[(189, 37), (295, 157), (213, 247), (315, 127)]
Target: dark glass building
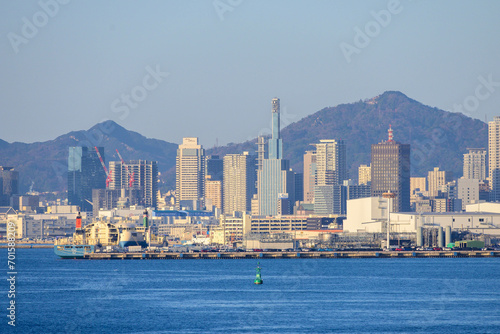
[(85, 173), (390, 169), (9, 184)]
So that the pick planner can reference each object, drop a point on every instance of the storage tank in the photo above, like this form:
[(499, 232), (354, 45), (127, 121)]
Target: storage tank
[(420, 239), (440, 237), (448, 235)]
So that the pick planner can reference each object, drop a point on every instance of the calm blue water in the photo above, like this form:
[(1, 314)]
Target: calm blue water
[(218, 296)]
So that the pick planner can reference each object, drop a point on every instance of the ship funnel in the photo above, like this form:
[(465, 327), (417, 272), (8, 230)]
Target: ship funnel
[(78, 221)]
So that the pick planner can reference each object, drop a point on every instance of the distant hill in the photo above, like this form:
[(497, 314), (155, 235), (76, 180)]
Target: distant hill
[(438, 139), (45, 163)]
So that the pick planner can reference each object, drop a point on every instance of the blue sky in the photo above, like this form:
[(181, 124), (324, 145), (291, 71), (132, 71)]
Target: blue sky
[(173, 69)]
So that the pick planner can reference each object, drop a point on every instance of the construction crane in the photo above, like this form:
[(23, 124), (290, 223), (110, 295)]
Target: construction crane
[(131, 175), (108, 173)]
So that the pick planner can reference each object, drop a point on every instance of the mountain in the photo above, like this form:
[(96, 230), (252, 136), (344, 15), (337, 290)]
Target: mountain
[(438, 139), (44, 164)]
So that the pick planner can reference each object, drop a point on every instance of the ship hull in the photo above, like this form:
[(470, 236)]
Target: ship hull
[(73, 251)]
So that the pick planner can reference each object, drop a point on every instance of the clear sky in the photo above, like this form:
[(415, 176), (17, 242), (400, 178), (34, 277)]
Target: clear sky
[(173, 69)]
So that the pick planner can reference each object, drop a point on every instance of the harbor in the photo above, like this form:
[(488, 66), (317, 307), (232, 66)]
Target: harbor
[(287, 255)]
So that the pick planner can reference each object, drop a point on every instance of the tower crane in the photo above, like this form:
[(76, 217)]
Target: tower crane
[(108, 173), (131, 175)]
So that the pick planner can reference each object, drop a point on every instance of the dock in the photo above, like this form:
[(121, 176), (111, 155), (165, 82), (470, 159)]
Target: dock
[(288, 255)]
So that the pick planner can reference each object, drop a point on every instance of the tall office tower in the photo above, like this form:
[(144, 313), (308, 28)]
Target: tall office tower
[(213, 193), (364, 174), (9, 184), (275, 179), (309, 176), (494, 158), (390, 166), (475, 164), (139, 179), (85, 173), (276, 143), (331, 171), (436, 179), (214, 167), (239, 182), (261, 151), (299, 187), (190, 174), (418, 184)]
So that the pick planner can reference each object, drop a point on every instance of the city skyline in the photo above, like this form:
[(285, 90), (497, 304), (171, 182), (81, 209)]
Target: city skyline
[(79, 66)]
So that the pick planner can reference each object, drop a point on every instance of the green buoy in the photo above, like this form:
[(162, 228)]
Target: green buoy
[(258, 279)]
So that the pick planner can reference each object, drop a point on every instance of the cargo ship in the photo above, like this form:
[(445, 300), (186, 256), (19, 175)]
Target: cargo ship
[(101, 234), (76, 248)]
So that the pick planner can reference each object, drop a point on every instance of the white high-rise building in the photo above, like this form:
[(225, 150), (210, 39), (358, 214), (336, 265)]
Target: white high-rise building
[(436, 179), (475, 164), (239, 182), (190, 174)]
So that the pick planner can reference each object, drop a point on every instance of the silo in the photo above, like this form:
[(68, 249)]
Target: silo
[(440, 237), (420, 239), (448, 235)]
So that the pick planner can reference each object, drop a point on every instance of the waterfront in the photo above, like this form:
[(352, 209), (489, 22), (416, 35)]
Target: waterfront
[(413, 295)]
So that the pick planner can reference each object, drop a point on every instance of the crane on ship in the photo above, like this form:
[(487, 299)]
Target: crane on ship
[(108, 173), (131, 175)]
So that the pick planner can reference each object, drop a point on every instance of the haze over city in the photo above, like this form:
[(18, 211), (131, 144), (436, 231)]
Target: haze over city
[(209, 68)]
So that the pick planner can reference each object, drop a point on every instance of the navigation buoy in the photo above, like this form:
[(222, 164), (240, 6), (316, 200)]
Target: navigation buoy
[(258, 279)]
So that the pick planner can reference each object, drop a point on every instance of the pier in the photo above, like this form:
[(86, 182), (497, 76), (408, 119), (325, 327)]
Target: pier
[(288, 255)]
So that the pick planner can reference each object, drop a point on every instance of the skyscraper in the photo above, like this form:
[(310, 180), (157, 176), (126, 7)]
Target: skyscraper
[(239, 182), (9, 184), (436, 179), (85, 173), (275, 143), (275, 180), (309, 176), (331, 168), (475, 164), (190, 174), (140, 175), (494, 157), (331, 171), (390, 167)]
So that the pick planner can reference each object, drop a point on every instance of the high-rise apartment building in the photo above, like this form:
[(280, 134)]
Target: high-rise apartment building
[(390, 167), (213, 193), (494, 157), (9, 184), (436, 179), (240, 174), (475, 164), (364, 174), (85, 173), (190, 174), (275, 180), (309, 176), (331, 171), (418, 184), (141, 175)]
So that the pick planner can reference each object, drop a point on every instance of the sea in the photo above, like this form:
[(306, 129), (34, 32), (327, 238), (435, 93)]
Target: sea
[(415, 295)]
